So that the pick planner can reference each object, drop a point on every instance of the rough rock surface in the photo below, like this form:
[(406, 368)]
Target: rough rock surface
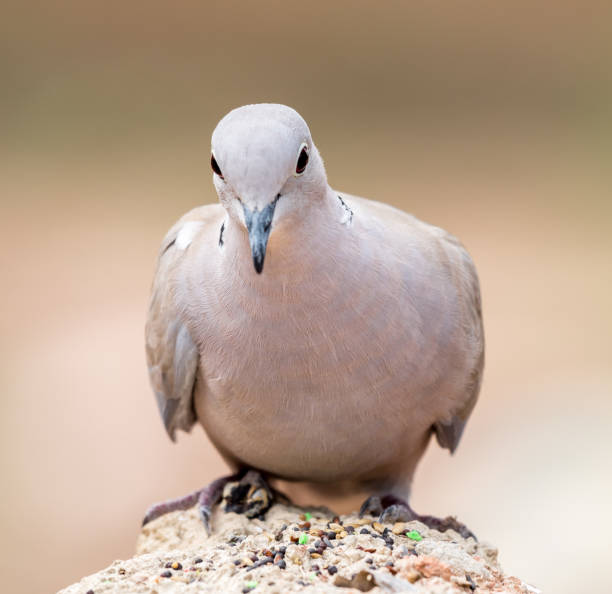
[(300, 549)]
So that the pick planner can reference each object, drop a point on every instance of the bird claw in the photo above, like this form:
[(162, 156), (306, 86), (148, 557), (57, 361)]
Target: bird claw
[(397, 513), (251, 495), (372, 505), (391, 509)]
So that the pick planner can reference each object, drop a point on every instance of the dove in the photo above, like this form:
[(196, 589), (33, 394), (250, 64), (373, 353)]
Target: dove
[(316, 336)]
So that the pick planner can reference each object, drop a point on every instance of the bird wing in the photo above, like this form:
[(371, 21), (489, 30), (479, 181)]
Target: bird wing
[(172, 355), (449, 430)]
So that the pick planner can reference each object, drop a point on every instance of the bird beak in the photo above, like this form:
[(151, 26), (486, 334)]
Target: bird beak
[(258, 224)]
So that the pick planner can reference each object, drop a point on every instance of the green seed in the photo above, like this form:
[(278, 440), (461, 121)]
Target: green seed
[(303, 538), (308, 516), (414, 535), (251, 585)]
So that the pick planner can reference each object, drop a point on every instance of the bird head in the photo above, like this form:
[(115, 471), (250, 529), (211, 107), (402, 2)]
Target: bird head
[(266, 170)]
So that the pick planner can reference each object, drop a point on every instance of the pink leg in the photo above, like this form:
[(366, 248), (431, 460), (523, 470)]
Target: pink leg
[(206, 498)]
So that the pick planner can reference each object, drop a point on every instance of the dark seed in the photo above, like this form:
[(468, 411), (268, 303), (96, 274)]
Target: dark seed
[(89, 592), (198, 560), (331, 535), (369, 560), (332, 569), (282, 550), (282, 564), (312, 550), (364, 531), (168, 565), (253, 558), (166, 574), (237, 561), (350, 529), (315, 567)]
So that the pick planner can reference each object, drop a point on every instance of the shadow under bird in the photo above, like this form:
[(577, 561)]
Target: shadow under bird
[(316, 336)]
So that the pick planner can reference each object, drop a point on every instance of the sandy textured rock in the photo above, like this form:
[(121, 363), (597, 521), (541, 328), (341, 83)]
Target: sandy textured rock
[(344, 555)]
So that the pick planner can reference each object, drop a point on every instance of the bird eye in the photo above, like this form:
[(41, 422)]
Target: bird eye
[(215, 166), (302, 161)]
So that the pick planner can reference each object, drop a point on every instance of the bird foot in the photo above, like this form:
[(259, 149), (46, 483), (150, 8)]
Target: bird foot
[(391, 509), (244, 493)]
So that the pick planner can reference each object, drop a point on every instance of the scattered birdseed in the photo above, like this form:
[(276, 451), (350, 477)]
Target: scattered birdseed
[(304, 539), (166, 574), (307, 516), (279, 534), (177, 565), (362, 581), (198, 560), (332, 569), (251, 585), (364, 531), (414, 535)]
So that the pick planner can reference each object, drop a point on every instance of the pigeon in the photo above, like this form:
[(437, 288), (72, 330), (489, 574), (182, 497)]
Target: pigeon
[(316, 336)]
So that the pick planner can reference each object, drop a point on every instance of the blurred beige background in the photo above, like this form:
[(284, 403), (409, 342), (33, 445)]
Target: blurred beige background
[(491, 121)]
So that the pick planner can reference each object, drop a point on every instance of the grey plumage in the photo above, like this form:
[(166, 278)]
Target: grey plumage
[(360, 338)]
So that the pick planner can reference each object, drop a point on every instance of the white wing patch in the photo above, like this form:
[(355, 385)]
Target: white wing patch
[(186, 234)]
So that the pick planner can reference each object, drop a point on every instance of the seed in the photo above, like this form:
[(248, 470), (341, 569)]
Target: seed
[(377, 526), (177, 565), (315, 555), (331, 535), (414, 535), (198, 560), (364, 531), (166, 574), (350, 529), (282, 564), (332, 569), (335, 527), (342, 534)]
